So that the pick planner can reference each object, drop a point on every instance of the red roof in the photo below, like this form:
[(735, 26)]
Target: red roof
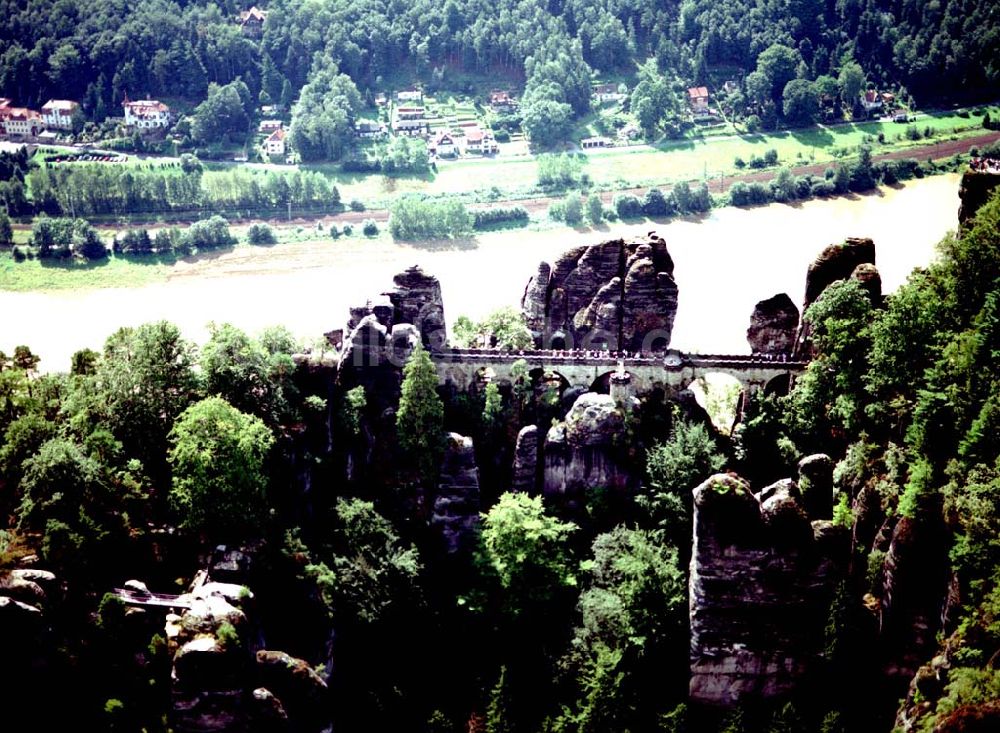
[(474, 135), (146, 107), (18, 113), (63, 105), (276, 136), (698, 92)]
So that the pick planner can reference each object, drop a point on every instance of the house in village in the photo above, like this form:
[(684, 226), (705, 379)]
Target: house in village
[(409, 95), (370, 129), (146, 114), (871, 101), (274, 144), (607, 93), (20, 122), (589, 143), (252, 22), (474, 137), (410, 128), (410, 121), (501, 101), (269, 126), (698, 100), (443, 144), (381, 100), (58, 114), (410, 113)]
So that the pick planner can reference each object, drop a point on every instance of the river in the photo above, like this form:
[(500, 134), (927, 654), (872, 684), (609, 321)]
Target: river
[(724, 264)]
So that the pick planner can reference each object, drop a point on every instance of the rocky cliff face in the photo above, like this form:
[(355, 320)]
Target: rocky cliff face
[(223, 679), (762, 578), (854, 257), (416, 299), (974, 191), (617, 294), (456, 506), (773, 326), (580, 452)]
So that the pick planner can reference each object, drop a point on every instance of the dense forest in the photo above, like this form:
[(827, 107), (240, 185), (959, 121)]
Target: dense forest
[(99, 52), (542, 614)]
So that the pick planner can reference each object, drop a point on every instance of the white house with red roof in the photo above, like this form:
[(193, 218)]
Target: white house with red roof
[(21, 122), (58, 114), (443, 144), (698, 99), (274, 144), (146, 114)]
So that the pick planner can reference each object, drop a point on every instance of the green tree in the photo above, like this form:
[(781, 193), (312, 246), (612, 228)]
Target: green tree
[(247, 375), (261, 233), (370, 570), (852, 81), (217, 457), (6, 230), (779, 64), (223, 115), (573, 209), (546, 121), (528, 551), (146, 379), (324, 115), (595, 209), (420, 417), (800, 102), (673, 468)]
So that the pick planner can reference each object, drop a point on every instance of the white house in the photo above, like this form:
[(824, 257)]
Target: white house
[(270, 126), (274, 145), (607, 93), (21, 122), (146, 114), (871, 100), (58, 114), (443, 144), (369, 129), (409, 95)]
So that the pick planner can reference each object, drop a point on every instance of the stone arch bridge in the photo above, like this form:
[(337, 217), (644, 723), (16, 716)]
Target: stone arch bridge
[(672, 372)]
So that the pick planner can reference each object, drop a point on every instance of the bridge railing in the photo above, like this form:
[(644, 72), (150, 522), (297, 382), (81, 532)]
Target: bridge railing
[(612, 358)]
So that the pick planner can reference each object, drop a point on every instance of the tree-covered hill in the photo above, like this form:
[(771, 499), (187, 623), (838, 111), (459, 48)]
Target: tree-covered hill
[(100, 51)]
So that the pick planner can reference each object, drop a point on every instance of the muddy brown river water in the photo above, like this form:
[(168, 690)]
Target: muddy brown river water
[(724, 264)]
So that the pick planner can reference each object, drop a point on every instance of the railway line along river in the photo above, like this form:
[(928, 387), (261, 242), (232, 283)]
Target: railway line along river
[(724, 264)]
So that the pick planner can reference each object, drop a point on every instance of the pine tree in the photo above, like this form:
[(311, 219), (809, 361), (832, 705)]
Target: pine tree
[(498, 713), (420, 418)]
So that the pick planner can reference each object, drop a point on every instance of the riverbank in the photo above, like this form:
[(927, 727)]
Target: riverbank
[(725, 262)]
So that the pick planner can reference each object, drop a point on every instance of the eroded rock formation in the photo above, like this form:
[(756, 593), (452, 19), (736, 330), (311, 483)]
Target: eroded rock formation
[(417, 299), (580, 452), (773, 326), (617, 294), (526, 460), (456, 506), (854, 257), (762, 578), (974, 191)]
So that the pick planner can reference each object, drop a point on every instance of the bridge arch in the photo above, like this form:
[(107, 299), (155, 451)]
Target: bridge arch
[(721, 394), (780, 385)]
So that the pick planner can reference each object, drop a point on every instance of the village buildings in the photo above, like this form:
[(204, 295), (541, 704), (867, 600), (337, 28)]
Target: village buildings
[(58, 114), (146, 114)]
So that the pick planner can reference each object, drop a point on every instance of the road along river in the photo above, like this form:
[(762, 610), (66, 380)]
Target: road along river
[(724, 264)]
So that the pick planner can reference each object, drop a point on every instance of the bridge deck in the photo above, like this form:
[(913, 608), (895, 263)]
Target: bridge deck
[(608, 359)]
